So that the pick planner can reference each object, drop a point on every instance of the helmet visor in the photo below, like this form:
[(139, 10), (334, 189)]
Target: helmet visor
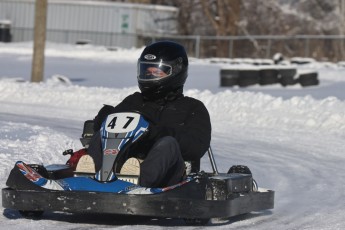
[(153, 71)]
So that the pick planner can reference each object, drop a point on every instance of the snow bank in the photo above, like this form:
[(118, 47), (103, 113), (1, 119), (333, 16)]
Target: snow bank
[(246, 109), (249, 109), (83, 52), (32, 144)]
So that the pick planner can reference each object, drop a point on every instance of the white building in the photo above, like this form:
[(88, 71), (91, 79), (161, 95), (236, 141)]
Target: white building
[(101, 23)]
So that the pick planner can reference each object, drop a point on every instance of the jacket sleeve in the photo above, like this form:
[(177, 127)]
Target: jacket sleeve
[(102, 114), (194, 135)]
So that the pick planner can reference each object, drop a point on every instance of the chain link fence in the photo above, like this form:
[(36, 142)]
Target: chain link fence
[(319, 47)]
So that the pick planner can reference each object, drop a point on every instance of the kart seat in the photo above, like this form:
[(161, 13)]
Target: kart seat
[(87, 133)]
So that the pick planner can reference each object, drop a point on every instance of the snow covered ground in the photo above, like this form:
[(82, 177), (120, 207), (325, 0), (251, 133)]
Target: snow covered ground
[(292, 138)]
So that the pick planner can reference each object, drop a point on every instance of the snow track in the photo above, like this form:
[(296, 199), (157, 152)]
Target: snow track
[(292, 144)]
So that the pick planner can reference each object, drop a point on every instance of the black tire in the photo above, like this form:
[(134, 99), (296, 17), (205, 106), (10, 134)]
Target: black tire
[(268, 76), (287, 76), (248, 77), (243, 169), (310, 83), (83, 42), (31, 214), (228, 77), (301, 61), (308, 79), (196, 222)]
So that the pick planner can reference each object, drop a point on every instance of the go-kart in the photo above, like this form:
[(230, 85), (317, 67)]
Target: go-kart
[(33, 189)]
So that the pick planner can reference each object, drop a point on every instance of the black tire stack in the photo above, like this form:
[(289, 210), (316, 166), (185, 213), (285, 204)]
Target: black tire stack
[(229, 77), (301, 60), (238, 76), (308, 79), (5, 31), (287, 76), (248, 77), (266, 75)]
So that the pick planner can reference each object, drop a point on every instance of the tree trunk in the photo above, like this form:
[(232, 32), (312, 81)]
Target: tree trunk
[(223, 16), (39, 40)]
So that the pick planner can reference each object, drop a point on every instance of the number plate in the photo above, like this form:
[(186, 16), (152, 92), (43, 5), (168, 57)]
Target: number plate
[(121, 122)]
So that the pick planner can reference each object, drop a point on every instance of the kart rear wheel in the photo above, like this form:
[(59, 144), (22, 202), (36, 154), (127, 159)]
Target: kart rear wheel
[(31, 214), (196, 222)]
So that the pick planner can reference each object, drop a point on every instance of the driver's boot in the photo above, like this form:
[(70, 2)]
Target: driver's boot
[(131, 170)]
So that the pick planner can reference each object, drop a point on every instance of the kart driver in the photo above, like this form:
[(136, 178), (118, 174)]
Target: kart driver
[(180, 128)]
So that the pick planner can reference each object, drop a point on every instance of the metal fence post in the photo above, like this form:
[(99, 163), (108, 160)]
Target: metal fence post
[(231, 46), (197, 46), (268, 49), (66, 36), (306, 48)]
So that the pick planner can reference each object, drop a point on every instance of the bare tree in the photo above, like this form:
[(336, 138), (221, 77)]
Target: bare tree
[(342, 27), (257, 17), (224, 16)]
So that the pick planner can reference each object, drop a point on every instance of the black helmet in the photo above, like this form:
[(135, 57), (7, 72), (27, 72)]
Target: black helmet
[(162, 68)]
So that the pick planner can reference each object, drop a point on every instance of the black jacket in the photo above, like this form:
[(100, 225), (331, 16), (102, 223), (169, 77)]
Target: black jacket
[(184, 118)]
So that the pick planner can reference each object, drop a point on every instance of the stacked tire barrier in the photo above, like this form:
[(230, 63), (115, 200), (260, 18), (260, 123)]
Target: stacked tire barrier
[(287, 76), (266, 75), (229, 77), (308, 79), (5, 31)]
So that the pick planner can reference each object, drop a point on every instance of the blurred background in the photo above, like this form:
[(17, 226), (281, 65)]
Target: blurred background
[(207, 28)]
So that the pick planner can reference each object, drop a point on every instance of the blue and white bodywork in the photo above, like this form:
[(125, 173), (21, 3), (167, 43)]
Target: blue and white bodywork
[(117, 130)]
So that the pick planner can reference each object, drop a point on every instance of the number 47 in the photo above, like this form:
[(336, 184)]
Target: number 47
[(112, 123)]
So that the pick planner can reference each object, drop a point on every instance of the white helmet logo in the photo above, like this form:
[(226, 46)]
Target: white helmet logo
[(150, 57)]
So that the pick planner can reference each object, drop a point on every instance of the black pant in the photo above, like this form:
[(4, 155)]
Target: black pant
[(163, 165)]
